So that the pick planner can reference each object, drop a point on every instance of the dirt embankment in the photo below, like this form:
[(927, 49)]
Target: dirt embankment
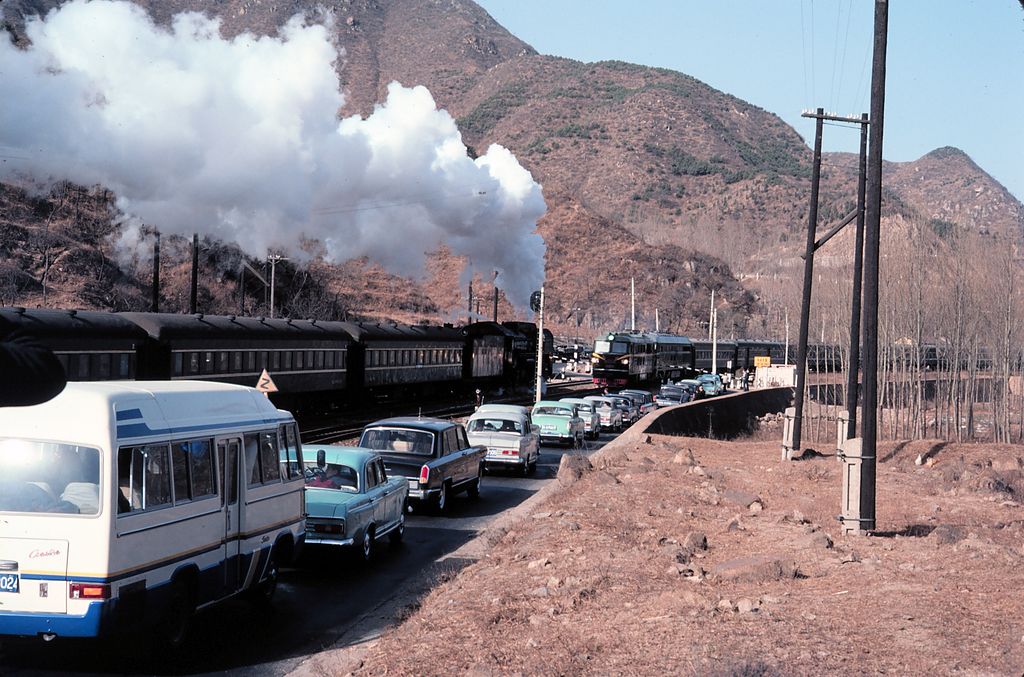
[(693, 556)]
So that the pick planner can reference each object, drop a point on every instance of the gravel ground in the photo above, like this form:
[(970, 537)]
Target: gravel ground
[(692, 556)]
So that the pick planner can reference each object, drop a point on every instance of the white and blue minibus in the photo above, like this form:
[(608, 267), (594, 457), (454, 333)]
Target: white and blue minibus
[(132, 504)]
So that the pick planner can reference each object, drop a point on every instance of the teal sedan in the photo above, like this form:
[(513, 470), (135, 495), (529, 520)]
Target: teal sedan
[(559, 422), (350, 500)]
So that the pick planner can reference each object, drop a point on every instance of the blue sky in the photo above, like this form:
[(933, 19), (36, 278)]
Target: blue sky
[(955, 67)]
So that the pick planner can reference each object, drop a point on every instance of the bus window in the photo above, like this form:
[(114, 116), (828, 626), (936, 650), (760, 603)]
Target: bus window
[(268, 457), (144, 477), (179, 463), (290, 439), (252, 459), (201, 468)]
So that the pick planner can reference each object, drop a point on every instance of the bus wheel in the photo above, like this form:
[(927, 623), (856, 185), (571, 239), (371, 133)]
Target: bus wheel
[(263, 592), (178, 617)]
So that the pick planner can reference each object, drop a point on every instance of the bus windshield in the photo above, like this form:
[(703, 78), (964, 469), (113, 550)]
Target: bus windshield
[(49, 477)]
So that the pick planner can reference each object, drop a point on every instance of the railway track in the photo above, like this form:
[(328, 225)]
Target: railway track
[(347, 428)]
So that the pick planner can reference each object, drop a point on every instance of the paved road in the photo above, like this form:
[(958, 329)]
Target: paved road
[(316, 605)]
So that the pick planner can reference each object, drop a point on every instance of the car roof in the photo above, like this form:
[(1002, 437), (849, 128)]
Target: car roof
[(498, 413), (429, 424), (551, 403), (514, 408), (354, 457)]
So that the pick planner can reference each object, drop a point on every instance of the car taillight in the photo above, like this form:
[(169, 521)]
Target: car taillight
[(89, 591), (424, 475)]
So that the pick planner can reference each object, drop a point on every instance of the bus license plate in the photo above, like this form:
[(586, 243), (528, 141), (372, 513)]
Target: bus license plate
[(8, 582)]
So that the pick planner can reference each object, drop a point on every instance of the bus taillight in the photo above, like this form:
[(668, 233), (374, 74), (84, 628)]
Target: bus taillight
[(89, 591)]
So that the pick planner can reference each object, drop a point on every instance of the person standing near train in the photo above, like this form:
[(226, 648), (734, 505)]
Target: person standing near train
[(29, 372)]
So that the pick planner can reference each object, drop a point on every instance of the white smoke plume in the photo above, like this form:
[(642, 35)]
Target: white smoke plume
[(240, 139)]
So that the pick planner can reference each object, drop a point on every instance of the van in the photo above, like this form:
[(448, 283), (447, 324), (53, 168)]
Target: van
[(133, 504)]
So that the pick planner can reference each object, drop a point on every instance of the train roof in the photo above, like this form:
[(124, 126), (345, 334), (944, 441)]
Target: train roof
[(49, 323), (490, 329), (671, 338), (627, 336), (383, 331), (171, 326)]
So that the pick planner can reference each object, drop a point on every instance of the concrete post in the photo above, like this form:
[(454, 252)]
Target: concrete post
[(788, 421), (853, 520)]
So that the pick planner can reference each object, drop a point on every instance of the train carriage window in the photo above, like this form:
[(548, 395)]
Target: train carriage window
[(236, 361), (297, 359), (250, 361), (342, 359), (262, 360), (319, 364), (207, 364), (269, 459), (101, 367), (63, 359), (309, 359), (275, 360), (179, 364), (123, 366), (222, 362), (419, 356), (193, 363), (287, 360), (329, 359), (82, 368)]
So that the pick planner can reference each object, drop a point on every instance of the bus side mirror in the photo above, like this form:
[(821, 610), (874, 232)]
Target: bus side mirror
[(321, 458)]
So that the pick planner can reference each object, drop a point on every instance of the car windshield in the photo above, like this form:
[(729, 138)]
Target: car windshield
[(603, 404), (706, 378), (551, 411), (49, 477), (494, 425), (401, 440), (332, 476)]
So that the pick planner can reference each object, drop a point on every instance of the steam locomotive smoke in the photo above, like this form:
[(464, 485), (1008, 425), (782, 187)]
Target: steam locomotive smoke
[(239, 139)]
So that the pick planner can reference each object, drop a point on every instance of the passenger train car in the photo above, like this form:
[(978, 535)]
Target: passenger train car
[(313, 363)]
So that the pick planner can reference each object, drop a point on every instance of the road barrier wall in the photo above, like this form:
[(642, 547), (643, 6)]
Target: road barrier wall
[(722, 417)]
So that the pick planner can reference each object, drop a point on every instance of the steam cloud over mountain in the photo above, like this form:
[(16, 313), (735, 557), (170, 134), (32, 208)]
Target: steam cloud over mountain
[(240, 139)]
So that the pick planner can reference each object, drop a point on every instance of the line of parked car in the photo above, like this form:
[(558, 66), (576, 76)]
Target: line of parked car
[(687, 390), (356, 496)]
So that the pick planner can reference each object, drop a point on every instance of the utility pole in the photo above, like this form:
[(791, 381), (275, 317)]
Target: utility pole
[(786, 361), (714, 340), (469, 310), (155, 305), (540, 346), (805, 307), (273, 259), (872, 230), (852, 378), (632, 304), (495, 297), (711, 314), (193, 299)]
